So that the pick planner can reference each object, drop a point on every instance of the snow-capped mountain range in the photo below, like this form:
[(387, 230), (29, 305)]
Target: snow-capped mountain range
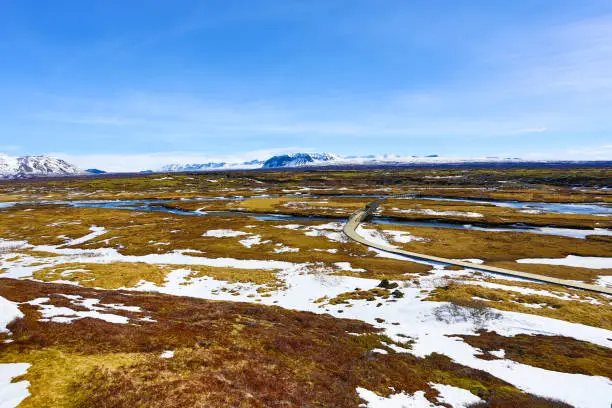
[(285, 160), (300, 159), (35, 166), (253, 164), (328, 160), (41, 166)]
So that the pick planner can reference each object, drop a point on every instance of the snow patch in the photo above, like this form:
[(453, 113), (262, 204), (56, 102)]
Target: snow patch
[(9, 311), (250, 241), (454, 396), (472, 260), (346, 266), (403, 237), (95, 231), (373, 236), (223, 233), (289, 226), (591, 262), (51, 313), (402, 400), (428, 211), (12, 393), (282, 248), (572, 232), (605, 280)]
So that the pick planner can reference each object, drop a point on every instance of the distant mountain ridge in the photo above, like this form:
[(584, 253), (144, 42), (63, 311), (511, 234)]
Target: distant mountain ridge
[(35, 166), (308, 159), (253, 164), (298, 159), (16, 167)]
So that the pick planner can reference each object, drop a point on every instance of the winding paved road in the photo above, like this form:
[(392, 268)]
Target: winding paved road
[(361, 215)]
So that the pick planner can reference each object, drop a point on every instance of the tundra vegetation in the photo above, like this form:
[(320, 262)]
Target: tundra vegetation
[(245, 278)]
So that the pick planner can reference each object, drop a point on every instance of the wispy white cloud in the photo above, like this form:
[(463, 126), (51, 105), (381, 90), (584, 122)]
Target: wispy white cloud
[(159, 115), (153, 161), (539, 81), (529, 130), (547, 79), (593, 152), (9, 148)]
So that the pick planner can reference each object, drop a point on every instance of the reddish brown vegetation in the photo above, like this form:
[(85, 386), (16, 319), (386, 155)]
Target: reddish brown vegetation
[(232, 354), (554, 353)]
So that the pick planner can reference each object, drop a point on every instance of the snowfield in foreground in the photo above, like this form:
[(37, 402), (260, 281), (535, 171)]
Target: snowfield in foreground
[(12, 393), (304, 284)]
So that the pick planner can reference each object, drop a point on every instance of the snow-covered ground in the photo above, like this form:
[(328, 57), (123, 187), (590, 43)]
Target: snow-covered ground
[(573, 233), (591, 262), (251, 240), (8, 312), (604, 281), (561, 232), (427, 211), (95, 232), (51, 313), (456, 397), (12, 393), (304, 283), (223, 233), (403, 237), (373, 236), (401, 400)]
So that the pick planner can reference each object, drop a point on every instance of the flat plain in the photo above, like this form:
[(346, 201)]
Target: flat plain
[(240, 289)]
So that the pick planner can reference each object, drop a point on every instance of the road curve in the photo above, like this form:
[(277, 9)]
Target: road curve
[(361, 215)]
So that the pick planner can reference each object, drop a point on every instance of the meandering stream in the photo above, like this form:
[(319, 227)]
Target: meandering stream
[(164, 206)]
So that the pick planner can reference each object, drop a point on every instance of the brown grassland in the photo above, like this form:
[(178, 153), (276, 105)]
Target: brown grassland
[(555, 353), (248, 355), (339, 207), (504, 248), (140, 233), (491, 214), (563, 184), (575, 311), (227, 354)]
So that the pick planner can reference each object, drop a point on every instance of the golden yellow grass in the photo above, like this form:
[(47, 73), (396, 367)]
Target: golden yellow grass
[(227, 353), (557, 271), (140, 233), (503, 248), (490, 214), (117, 275), (555, 290), (534, 193), (113, 275), (597, 315), (53, 372), (143, 233), (307, 206), (530, 184), (554, 353), (237, 275), (358, 294)]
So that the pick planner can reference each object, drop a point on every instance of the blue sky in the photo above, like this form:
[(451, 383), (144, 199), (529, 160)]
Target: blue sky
[(127, 85)]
